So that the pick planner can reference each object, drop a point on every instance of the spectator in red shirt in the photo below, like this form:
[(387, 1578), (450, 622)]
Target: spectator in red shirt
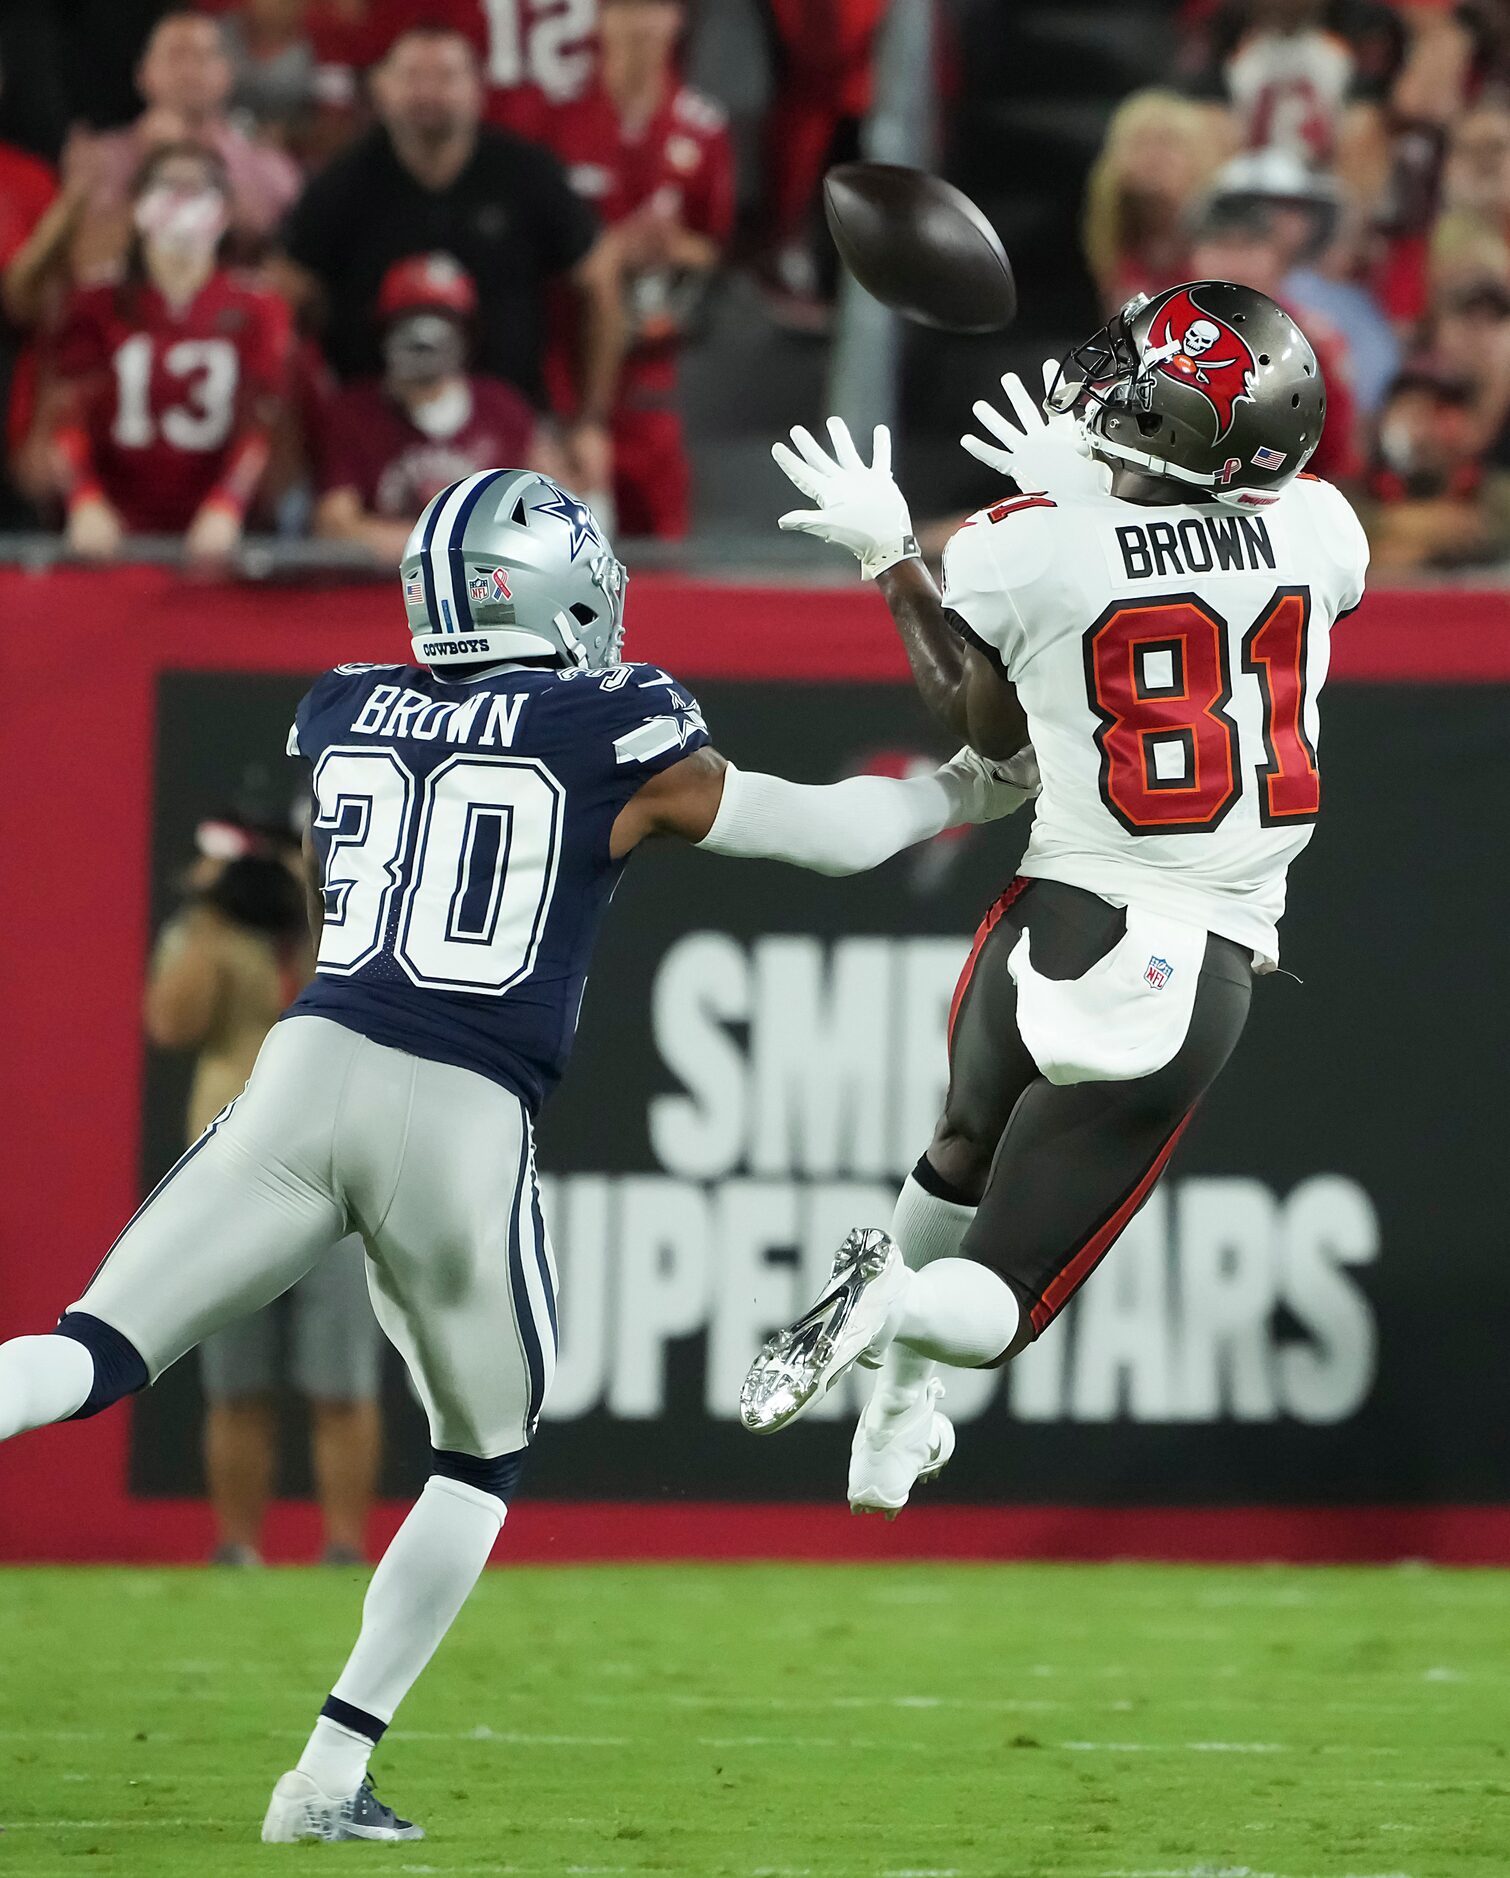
[(168, 380), (653, 157), (185, 79), (389, 444), (824, 69), (1243, 244), (27, 190), (27, 187), (534, 54)]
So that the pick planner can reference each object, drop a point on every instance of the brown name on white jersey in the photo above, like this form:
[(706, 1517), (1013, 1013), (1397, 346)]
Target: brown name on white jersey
[(1201, 544)]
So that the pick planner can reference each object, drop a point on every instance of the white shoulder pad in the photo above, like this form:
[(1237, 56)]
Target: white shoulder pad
[(992, 561), (1340, 536)]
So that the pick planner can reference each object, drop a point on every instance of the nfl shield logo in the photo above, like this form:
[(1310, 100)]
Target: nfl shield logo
[(479, 587), (1158, 973)]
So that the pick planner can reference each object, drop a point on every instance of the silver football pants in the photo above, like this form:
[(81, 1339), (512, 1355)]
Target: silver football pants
[(434, 1166)]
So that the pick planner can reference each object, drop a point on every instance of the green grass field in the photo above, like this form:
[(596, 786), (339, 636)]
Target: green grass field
[(974, 1721)]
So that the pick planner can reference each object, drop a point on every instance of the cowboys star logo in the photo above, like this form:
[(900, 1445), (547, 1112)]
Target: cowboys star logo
[(576, 515), (1202, 353)]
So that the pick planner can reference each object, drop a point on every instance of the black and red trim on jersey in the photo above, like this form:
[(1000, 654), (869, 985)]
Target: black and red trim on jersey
[(1014, 505)]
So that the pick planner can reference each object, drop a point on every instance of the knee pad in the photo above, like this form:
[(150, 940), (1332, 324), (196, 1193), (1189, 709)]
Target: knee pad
[(498, 1476), (118, 1367)]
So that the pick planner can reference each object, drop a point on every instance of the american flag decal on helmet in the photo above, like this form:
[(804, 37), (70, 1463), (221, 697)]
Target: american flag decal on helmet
[(1266, 459)]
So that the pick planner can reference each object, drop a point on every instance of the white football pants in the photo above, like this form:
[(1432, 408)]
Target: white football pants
[(434, 1166)]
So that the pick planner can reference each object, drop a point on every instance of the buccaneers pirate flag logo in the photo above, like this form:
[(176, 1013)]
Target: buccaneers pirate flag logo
[(1203, 353)]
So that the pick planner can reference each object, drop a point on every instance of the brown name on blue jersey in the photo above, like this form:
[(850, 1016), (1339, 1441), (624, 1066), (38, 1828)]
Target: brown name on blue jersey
[(1200, 544), (488, 719)]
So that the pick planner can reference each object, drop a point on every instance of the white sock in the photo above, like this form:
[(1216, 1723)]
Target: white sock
[(926, 1228), (421, 1583), (42, 1380), (335, 1758), (956, 1311)]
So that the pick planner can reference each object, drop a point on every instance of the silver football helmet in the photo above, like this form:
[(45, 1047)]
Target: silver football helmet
[(507, 564)]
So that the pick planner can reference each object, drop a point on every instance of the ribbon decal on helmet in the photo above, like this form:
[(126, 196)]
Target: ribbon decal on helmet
[(1204, 354)]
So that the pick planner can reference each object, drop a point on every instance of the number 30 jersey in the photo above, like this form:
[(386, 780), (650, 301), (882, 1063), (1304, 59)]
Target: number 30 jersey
[(1170, 661), (462, 829)]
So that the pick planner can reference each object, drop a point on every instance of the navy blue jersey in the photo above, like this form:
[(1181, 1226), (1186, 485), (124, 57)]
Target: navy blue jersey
[(463, 830)]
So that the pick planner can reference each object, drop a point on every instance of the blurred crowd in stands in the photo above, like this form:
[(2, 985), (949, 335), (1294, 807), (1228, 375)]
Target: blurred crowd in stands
[(326, 256), (1353, 159), (296, 264)]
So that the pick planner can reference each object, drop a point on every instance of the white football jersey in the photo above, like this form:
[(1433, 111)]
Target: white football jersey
[(1170, 661)]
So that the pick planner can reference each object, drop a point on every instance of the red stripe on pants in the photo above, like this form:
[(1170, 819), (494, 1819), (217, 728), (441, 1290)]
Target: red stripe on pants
[(1012, 892), (1090, 1255)]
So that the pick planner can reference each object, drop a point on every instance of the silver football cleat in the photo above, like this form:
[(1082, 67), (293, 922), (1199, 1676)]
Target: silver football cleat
[(804, 1361)]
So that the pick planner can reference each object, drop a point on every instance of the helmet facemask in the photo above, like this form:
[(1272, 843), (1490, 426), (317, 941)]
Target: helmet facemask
[(1101, 367)]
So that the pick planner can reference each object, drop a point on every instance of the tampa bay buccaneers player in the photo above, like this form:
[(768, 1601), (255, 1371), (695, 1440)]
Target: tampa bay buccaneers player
[(1152, 605)]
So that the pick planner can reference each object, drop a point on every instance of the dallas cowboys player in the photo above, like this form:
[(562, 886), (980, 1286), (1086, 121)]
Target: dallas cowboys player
[(1153, 603), (472, 817)]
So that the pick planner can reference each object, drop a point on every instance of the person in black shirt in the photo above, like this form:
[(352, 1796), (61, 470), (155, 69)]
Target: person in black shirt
[(430, 177)]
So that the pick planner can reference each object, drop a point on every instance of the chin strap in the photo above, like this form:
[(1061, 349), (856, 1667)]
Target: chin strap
[(575, 650)]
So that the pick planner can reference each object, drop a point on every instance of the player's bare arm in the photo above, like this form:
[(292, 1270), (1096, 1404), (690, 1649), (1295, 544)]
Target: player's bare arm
[(828, 828), (962, 690)]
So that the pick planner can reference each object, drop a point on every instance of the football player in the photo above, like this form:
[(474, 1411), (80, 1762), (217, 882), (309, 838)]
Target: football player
[(472, 816), (1153, 604)]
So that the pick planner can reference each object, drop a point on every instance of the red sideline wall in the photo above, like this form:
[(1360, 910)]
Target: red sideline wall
[(79, 656)]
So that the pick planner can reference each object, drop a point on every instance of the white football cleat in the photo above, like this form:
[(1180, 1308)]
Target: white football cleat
[(803, 1362), (300, 1810), (892, 1454)]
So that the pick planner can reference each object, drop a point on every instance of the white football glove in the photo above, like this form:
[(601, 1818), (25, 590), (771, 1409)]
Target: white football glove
[(1041, 452), (859, 505), (986, 791)]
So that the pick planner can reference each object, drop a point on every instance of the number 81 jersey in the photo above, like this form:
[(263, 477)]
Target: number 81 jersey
[(463, 830), (1170, 661)]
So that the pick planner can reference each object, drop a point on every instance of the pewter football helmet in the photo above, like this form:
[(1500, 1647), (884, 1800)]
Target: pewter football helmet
[(1211, 384), (507, 564)]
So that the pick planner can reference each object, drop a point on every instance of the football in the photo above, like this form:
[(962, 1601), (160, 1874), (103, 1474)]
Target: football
[(920, 246)]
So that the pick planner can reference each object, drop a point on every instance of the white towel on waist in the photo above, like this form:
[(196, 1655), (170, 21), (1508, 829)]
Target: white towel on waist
[(1126, 1017)]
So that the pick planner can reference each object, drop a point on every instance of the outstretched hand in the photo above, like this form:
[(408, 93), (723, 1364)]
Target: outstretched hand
[(989, 790), (859, 505), (1049, 453)]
